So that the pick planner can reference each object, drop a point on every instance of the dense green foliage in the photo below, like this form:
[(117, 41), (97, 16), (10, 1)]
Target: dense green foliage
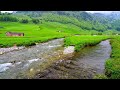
[(24, 21), (8, 18), (36, 21)]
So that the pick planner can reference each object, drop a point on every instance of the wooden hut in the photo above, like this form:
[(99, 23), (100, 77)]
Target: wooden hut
[(14, 34)]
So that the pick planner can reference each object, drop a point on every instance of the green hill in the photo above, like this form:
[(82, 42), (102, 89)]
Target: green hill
[(41, 26)]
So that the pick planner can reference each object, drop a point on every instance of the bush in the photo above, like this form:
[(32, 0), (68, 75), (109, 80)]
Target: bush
[(24, 21), (8, 18), (36, 21)]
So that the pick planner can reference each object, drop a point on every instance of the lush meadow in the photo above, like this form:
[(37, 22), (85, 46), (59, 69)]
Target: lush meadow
[(33, 33)]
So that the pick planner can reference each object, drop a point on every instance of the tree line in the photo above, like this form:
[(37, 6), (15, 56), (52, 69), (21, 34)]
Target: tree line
[(10, 18)]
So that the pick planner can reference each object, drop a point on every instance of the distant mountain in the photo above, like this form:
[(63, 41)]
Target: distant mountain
[(114, 15)]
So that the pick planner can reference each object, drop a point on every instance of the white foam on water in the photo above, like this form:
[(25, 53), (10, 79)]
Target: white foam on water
[(33, 60), (5, 66), (18, 63), (54, 46), (30, 61)]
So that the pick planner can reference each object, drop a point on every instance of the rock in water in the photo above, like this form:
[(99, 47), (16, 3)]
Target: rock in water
[(1, 53), (69, 50), (31, 69)]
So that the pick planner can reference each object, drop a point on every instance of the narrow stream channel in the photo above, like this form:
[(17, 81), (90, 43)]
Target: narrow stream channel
[(14, 64), (84, 65)]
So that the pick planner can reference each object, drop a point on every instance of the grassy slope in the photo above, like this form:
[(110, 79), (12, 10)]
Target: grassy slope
[(36, 33), (39, 33)]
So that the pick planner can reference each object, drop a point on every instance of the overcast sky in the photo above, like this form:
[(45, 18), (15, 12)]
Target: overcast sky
[(100, 11), (6, 11), (106, 12)]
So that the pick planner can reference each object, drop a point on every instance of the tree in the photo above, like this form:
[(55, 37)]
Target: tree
[(24, 21), (8, 18), (36, 21)]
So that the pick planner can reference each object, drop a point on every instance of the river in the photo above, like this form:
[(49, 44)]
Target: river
[(14, 64), (80, 65), (85, 64)]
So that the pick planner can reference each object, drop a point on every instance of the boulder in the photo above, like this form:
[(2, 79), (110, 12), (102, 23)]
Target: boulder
[(69, 50)]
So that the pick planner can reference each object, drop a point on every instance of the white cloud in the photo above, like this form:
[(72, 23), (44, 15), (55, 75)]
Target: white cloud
[(7, 11), (100, 11)]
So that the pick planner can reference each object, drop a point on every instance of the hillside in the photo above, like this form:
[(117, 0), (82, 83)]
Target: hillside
[(85, 23), (59, 44)]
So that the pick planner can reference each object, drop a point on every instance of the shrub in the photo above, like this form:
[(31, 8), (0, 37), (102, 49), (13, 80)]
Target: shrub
[(8, 18), (24, 21), (36, 21)]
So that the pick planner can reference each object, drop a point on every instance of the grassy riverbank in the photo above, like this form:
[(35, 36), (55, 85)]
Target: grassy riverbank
[(82, 41), (113, 64)]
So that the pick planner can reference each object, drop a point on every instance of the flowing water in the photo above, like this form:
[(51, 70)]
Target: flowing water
[(14, 64), (84, 64)]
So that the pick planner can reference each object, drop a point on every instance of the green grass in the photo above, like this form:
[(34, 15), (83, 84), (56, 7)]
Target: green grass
[(112, 65), (33, 33), (100, 76), (84, 40), (36, 32)]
